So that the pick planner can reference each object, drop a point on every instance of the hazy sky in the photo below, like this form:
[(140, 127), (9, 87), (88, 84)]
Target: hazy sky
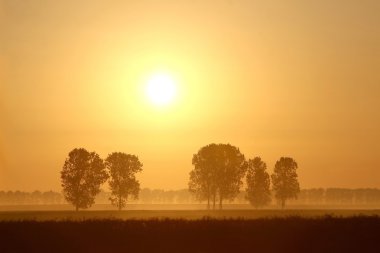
[(276, 78)]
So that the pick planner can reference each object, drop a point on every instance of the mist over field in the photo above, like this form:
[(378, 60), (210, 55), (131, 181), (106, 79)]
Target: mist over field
[(151, 199)]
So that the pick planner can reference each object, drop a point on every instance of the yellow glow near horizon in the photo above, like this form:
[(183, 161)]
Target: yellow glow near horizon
[(161, 89)]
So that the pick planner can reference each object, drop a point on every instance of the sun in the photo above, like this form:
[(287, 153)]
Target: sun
[(161, 89)]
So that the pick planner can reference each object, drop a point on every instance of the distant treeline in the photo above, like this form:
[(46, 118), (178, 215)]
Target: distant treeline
[(315, 196), (339, 196), (30, 198)]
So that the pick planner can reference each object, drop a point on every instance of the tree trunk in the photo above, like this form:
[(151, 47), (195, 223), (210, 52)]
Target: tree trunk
[(208, 202), (76, 202), (119, 203), (213, 205), (220, 202), (282, 203)]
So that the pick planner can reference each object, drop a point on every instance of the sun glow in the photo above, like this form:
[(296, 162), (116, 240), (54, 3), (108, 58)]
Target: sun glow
[(161, 89)]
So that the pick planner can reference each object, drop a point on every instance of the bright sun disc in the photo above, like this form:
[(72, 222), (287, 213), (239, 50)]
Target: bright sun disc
[(161, 89)]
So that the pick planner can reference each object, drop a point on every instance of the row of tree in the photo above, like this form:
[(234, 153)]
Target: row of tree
[(219, 170), (30, 198), (218, 174), (84, 172), (338, 196)]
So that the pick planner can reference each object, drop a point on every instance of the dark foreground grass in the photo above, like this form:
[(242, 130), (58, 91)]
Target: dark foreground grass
[(292, 234)]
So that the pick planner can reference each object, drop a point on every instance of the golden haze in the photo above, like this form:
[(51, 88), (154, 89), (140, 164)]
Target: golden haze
[(297, 79)]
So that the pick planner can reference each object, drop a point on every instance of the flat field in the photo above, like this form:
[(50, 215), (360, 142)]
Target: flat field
[(181, 214), (191, 231)]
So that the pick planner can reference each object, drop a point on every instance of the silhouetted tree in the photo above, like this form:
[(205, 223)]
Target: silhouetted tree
[(231, 172), (218, 171), (82, 175), (122, 169), (202, 177), (200, 185), (258, 183), (284, 180)]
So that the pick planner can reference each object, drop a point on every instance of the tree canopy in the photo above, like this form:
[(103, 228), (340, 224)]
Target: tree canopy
[(218, 172), (285, 180), (258, 183), (82, 174), (123, 183)]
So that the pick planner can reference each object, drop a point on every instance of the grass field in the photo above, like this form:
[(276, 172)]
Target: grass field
[(181, 214), (191, 231)]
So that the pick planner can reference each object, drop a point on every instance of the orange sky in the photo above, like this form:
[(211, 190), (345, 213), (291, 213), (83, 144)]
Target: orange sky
[(275, 78)]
